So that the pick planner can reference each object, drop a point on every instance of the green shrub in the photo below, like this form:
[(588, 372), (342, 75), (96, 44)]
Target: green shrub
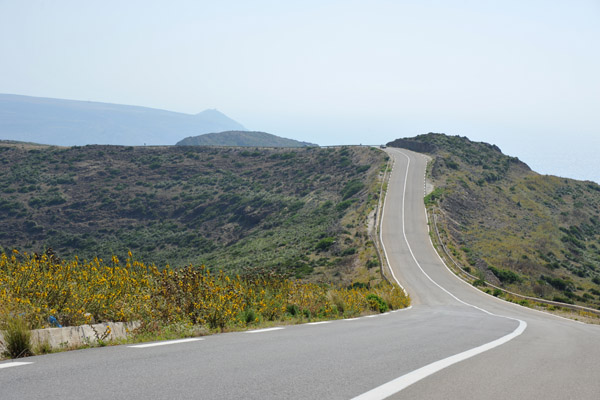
[(497, 292), (342, 206), (349, 251), (505, 276), (376, 303), (433, 197), (556, 283), (325, 243), (249, 316), (352, 188), (292, 309), (17, 338)]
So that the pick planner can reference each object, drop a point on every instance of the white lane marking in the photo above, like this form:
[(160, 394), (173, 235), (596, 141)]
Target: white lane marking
[(319, 323), (393, 387), (402, 382), (497, 298), (401, 309), (14, 364), (488, 294), (419, 265), (264, 330), (377, 315), (387, 260), (165, 343)]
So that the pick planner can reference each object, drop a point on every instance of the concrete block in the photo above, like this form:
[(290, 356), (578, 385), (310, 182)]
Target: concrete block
[(75, 336)]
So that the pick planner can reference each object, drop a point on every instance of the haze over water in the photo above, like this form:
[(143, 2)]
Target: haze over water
[(572, 156), (575, 161), (519, 74)]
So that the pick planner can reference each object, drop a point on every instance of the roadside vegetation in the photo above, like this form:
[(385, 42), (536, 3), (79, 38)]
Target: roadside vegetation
[(167, 302), (224, 239), (532, 234)]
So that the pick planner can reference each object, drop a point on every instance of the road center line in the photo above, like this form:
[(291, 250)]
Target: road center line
[(392, 387), (165, 343), (14, 364), (402, 382)]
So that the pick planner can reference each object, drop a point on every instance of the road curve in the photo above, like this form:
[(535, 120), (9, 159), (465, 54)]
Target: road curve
[(550, 358), (553, 358)]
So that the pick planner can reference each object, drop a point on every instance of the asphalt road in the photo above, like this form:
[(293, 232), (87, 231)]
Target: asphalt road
[(443, 347)]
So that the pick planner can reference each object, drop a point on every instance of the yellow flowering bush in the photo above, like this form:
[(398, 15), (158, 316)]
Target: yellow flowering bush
[(38, 287)]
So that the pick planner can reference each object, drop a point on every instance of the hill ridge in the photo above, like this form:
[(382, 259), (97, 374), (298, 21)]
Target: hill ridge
[(243, 139), (537, 235)]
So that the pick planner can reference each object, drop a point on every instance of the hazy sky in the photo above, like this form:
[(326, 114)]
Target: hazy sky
[(514, 73)]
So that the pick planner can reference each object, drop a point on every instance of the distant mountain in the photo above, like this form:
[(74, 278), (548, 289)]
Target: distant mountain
[(71, 122), (242, 138)]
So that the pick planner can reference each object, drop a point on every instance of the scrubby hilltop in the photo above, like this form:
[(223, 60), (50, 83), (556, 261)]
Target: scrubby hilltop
[(297, 211), (534, 234), (241, 138)]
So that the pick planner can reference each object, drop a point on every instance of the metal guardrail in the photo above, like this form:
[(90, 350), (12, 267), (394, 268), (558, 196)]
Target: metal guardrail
[(464, 273)]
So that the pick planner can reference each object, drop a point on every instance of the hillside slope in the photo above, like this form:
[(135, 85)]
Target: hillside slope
[(242, 139), (534, 234), (76, 123), (297, 211)]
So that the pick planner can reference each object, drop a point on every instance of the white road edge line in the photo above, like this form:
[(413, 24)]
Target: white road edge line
[(522, 308), (488, 294), (264, 330), (15, 364), (401, 309), (402, 382), (165, 343), (319, 323), (376, 315), (393, 387), (387, 260)]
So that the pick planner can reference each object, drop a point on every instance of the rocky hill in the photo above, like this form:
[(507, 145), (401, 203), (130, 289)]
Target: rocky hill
[(241, 139), (534, 234)]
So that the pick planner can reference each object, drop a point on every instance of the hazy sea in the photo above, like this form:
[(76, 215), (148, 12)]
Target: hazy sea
[(576, 160)]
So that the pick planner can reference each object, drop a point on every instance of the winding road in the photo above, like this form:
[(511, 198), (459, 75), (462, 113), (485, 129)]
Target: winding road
[(455, 342)]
